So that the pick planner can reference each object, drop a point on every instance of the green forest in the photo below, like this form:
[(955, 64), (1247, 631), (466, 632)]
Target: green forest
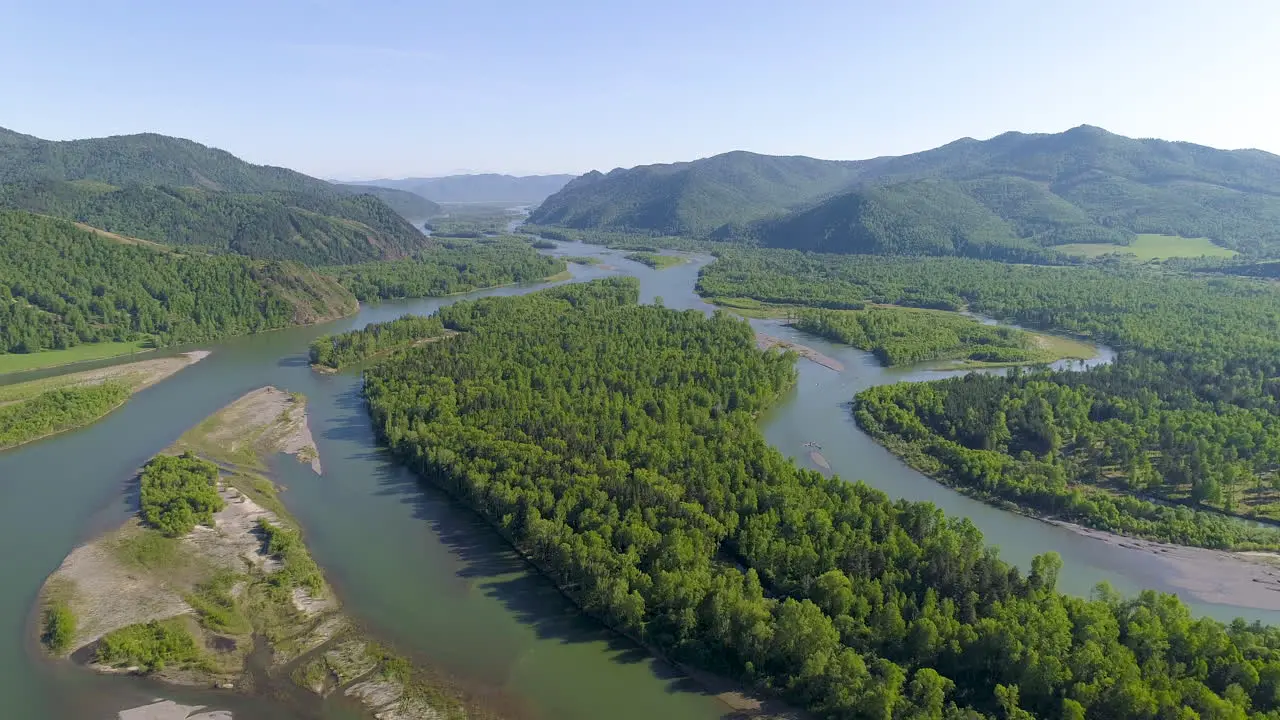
[(617, 445), (180, 192), (899, 336), (178, 492), (56, 410), (311, 228), (1183, 422), (456, 265), (337, 351), (61, 286)]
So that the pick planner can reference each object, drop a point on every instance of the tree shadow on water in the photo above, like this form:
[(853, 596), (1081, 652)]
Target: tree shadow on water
[(491, 565)]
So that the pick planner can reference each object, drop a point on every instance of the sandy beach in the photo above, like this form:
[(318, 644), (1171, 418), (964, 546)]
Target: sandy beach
[(768, 341), (1246, 579)]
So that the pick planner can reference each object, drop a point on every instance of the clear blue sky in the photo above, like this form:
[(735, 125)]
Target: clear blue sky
[(369, 88)]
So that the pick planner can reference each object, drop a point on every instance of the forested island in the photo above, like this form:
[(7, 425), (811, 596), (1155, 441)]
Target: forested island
[(333, 352), (616, 445), (452, 267)]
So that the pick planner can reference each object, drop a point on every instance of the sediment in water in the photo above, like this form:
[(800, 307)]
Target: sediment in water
[(257, 627)]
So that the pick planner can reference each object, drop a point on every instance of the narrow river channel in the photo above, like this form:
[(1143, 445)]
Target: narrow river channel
[(421, 572)]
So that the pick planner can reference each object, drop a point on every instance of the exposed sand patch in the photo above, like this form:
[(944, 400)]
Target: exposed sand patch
[(388, 701), (1246, 579), (268, 420), (232, 543), (817, 459), (141, 374), (170, 710), (768, 341), (107, 595)]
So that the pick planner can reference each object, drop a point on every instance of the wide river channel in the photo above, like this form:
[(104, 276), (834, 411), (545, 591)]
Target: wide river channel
[(421, 572)]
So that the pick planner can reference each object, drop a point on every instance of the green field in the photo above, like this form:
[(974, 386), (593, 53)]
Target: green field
[(1151, 247), (18, 362)]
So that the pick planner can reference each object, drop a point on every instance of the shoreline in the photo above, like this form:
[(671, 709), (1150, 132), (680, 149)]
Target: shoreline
[(261, 618), (1223, 577), (157, 370), (1246, 579), (764, 342)]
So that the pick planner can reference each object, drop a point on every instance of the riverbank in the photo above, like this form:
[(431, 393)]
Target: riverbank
[(1248, 579), (38, 409), (238, 604), (764, 342), (1222, 577)]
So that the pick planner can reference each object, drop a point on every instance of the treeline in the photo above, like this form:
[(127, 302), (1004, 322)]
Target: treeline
[(453, 267), (617, 446), (335, 351), (899, 336), (61, 286), (1186, 416), (57, 410)]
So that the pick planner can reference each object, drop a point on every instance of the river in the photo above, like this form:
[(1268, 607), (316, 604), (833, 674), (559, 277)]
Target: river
[(417, 569)]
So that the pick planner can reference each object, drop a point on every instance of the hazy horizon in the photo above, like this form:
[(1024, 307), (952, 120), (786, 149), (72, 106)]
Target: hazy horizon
[(389, 89)]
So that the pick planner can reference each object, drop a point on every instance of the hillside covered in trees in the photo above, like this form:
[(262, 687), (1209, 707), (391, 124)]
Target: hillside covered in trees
[(179, 192), (61, 286), (693, 198), (616, 444), (1008, 197), (1185, 424), (410, 206)]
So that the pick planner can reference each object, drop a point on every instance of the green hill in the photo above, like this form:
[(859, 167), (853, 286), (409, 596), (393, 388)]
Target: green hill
[(1015, 191), (301, 226), (180, 192), (61, 286), (693, 198), (410, 206)]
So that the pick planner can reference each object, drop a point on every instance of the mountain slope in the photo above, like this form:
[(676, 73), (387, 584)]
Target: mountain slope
[(180, 192), (694, 198), (410, 206), (305, 227), (1040, 190), (479, 188), (62, 286)]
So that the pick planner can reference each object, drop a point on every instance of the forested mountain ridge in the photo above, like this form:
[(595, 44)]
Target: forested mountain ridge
[(180, 192), (147, 159), (484, 187), (61, 286), (1016, 192), (410, 206), (694, 198)]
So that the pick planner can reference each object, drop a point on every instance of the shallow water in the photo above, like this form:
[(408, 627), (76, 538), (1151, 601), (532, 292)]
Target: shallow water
[(419, 571)]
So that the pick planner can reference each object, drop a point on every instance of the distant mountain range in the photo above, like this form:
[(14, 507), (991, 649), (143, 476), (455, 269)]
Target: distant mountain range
[(177, 191), (478, 188), (1011, 196)]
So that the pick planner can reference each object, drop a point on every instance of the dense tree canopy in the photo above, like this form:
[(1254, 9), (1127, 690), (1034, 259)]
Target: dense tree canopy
[(452, 267), (61, 286), (617, 445), (312, 228), (900, 336), (179, 492), (1187, 414), (335, 351)]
